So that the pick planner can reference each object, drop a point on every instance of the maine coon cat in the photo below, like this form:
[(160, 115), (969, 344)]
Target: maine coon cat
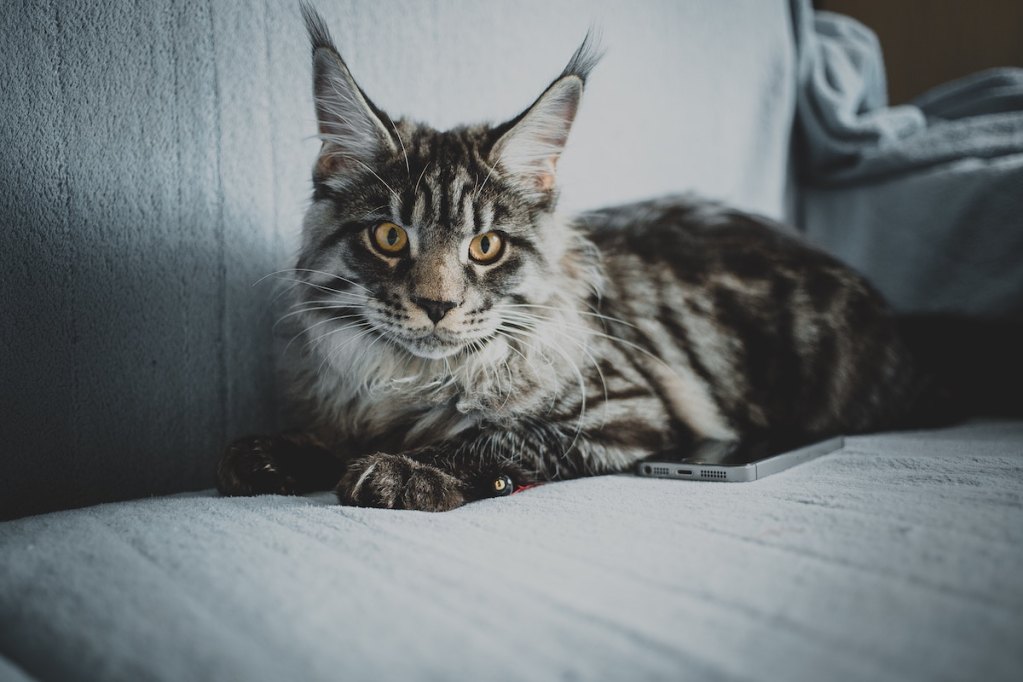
[(456, 329)]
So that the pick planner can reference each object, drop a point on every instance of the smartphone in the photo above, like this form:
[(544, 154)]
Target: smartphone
[(731, 461)]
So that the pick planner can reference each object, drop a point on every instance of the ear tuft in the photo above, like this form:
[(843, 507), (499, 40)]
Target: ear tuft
[(353, 130), (530, 145), (319, 34), (586, 56), (528, 153)]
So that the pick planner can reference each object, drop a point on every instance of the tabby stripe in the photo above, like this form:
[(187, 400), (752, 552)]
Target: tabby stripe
[(476, 226), (501, 213), (331, 240), (676, 425), (631, 432), (628, 393), (408, 203), (666, 316), (428, 203), (444, 216), (522, 243)]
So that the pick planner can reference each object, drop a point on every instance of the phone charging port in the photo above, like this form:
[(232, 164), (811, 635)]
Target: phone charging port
[(684, 472)]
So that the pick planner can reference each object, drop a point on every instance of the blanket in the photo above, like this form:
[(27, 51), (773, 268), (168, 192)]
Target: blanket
[(924, 198)]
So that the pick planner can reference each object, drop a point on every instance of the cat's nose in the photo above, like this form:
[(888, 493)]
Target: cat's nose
[(435, 310)]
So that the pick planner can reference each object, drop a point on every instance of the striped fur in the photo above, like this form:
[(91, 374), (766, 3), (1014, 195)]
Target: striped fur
[(589, 344)]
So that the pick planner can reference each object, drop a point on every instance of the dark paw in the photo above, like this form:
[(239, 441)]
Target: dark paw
[(399, 482), (249, 466)]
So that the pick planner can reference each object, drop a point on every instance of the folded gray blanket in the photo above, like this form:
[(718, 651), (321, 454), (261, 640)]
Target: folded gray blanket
[(852, 134), (925, 199)]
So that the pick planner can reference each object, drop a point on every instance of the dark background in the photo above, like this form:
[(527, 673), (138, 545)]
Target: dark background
[(929, 42)]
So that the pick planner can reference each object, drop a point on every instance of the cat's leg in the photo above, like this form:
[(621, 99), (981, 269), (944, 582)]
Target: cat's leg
[(424, 479), (289, 463), (447, 475), (405, 481)]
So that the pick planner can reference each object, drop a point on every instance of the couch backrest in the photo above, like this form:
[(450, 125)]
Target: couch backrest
[(155, 162)]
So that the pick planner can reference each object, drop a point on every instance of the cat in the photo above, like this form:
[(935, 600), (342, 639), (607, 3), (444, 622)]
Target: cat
[(456, 331)]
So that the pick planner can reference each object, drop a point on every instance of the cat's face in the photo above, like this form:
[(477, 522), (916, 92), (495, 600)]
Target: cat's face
[(426, 254), (435, 242)]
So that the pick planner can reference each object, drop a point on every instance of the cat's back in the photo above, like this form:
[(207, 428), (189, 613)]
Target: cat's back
[(697, 238), (782, 336)]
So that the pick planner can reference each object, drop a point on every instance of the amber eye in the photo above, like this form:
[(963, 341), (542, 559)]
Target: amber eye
[(486, 248), (389, 238)]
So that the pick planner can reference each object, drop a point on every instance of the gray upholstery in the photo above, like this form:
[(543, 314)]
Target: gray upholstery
[(155, 162), (896, 558)]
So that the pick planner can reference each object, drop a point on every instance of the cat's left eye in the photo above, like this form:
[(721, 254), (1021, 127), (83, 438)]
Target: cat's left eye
[(486, 248), (389, 238)]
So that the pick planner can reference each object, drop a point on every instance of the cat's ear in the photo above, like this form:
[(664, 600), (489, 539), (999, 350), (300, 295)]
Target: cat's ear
[(354, 131), (529, 146)]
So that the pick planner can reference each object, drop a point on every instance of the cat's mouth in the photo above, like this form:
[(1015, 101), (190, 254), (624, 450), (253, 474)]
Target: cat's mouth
[(438, 343), (433, 345)]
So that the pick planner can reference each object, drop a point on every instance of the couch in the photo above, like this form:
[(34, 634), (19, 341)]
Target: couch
[(155, 167)]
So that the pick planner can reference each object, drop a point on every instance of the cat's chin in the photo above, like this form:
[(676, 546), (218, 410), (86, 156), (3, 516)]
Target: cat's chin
[(432, 347), (435, 347), (434, 352)]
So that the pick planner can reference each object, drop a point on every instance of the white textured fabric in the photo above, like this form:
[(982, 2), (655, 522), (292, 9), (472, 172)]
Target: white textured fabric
[(896, 558)]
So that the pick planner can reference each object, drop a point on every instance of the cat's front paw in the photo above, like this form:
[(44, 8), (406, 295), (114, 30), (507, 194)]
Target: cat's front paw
[(399, 482), (249, 466)]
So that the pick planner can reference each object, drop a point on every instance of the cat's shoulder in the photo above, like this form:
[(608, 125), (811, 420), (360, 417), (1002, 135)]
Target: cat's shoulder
[(694, 234), (686, 213)]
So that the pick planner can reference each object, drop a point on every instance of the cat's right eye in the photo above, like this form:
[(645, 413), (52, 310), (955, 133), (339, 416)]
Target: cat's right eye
[(389, 238), (486, 248)]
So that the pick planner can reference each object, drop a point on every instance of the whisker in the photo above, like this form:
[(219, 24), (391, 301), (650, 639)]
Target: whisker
[(513, 348), (365, 351), (603, 335), (583, 347), (321, 287), (596, 365), (609, 318), (572, 365), (318, 272), (303, 307), (333, 298), (416, 189), (582, 392), (368, 329), (408, 171), (485, 180), (310, 309), (384, 182), (512, 341), (313, 326), (328, 300)]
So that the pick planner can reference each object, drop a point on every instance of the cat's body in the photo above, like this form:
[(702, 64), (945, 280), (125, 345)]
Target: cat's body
[(454, 329), (693, 321)]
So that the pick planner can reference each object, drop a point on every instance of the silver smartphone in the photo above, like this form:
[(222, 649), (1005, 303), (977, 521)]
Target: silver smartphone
[(731, 461)]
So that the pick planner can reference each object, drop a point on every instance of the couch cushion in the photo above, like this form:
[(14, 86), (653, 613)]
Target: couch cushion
[(156, 161), (895, 558)]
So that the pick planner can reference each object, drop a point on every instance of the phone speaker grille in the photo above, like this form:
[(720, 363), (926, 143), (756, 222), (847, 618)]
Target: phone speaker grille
[(660, 471), (710, 473)]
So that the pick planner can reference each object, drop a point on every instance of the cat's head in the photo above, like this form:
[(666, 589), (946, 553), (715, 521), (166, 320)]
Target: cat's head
[(433, 240)]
